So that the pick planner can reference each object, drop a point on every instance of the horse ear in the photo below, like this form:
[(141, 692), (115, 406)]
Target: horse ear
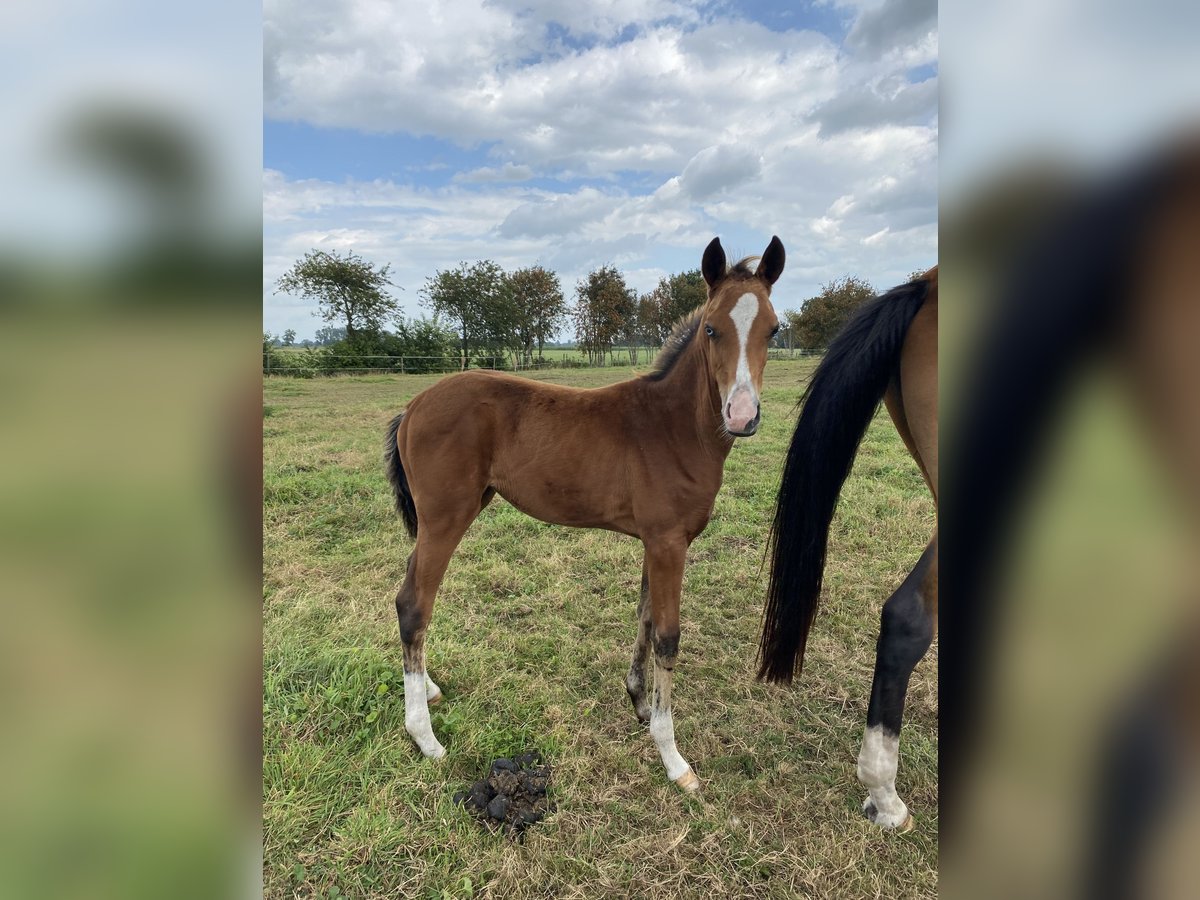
[(712, 266), (771, 266)]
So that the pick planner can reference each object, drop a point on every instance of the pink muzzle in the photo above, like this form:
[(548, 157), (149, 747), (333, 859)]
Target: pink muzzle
[(741, 412)]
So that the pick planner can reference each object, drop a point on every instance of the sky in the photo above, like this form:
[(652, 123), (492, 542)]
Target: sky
[(575, 135)]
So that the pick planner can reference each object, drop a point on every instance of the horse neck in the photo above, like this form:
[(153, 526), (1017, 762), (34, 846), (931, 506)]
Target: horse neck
[(690, 402)]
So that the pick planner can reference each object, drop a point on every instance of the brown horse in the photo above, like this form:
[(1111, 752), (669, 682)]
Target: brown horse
[(643, 457), (887, 350)]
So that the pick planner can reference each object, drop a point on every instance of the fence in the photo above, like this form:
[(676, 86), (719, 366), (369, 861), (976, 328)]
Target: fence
[(302, 365)]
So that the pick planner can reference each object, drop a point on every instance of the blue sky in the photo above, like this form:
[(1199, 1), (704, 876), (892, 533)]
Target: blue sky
[(626, 132)]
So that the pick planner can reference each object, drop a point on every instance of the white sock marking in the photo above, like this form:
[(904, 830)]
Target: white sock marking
[(662, 729), (416, 716), (877, 762), (662, 725)]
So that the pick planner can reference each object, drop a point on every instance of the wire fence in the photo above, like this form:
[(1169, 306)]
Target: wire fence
[(307, 365)]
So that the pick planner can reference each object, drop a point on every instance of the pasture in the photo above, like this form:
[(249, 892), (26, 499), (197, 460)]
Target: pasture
[(530, 641)]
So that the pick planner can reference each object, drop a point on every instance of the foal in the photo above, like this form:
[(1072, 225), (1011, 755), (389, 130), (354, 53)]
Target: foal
[(642, 457)]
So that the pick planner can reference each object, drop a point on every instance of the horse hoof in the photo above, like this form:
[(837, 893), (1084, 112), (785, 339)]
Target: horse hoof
[(688, 782), (640, 707), (435, 700), (884, 821)]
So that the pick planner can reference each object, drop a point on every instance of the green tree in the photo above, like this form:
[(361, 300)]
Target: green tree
[(822, 316), (538, 306), (790, 327), (478, 300), (604, 306), (427, 341), (329, 335), (346, 288), (673, 298), (289, 337)]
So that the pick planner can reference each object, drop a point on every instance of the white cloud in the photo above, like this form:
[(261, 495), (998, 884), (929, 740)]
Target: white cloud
[(646, 104), (893, 27), (715, 169), (506, 172), (687, 126)]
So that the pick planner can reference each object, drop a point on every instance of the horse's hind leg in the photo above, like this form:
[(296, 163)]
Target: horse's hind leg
[(406, 600), (436, 541), (907, 624), (635, 681)]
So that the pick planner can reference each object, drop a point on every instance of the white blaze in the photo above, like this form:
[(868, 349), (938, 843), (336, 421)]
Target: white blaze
[(743, 315)]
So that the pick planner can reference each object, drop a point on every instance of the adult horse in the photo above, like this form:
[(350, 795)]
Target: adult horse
[(887, 350), (643, 457)]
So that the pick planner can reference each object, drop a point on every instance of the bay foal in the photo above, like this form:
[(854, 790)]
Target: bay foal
[(643, 457)]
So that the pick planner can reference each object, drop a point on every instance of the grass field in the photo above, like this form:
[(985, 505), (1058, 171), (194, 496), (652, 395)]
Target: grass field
[(530, 642)]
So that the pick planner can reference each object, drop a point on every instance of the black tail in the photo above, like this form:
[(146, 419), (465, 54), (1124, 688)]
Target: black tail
[(399, 481), (838, 405)]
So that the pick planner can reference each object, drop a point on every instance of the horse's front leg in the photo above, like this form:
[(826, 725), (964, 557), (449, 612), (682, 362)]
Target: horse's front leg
[(635, 681), (664, 566)]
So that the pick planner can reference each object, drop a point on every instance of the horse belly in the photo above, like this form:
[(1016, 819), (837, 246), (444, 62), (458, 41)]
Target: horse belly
[(568, 495)]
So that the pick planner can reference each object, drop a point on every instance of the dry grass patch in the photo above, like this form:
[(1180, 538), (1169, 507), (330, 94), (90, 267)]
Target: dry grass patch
[(530, 641)]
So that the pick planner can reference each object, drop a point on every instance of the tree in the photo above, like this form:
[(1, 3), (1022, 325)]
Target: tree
[(478, 300), (289, 337), (791, 325), (428, 341), (822, 316), (346, 288), (604, 307), (329, 335), (673, 298), (538, 306), (647, 323)]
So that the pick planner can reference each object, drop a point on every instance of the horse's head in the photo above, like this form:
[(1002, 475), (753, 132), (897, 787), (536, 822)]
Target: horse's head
[(738, 323)]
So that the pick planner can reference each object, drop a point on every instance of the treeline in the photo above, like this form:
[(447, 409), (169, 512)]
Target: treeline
[(481, 315), (494, 313)]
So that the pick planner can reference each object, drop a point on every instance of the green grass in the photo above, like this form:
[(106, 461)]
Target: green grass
[(530, 642)]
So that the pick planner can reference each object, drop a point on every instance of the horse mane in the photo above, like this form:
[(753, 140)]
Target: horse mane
[(685, 329), (681, 336), (741, 269)]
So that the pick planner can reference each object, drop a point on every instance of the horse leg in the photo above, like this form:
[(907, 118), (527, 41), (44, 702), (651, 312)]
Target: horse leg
[(433, 693), (664, 565), (414, 606), (906, 631), (635, 681)]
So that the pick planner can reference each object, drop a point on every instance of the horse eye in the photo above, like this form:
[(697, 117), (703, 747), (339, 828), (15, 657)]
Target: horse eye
[(775, 331), (708, 329)]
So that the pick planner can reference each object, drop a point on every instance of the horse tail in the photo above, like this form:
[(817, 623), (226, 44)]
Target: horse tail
[(838, 405), (399, 481)]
